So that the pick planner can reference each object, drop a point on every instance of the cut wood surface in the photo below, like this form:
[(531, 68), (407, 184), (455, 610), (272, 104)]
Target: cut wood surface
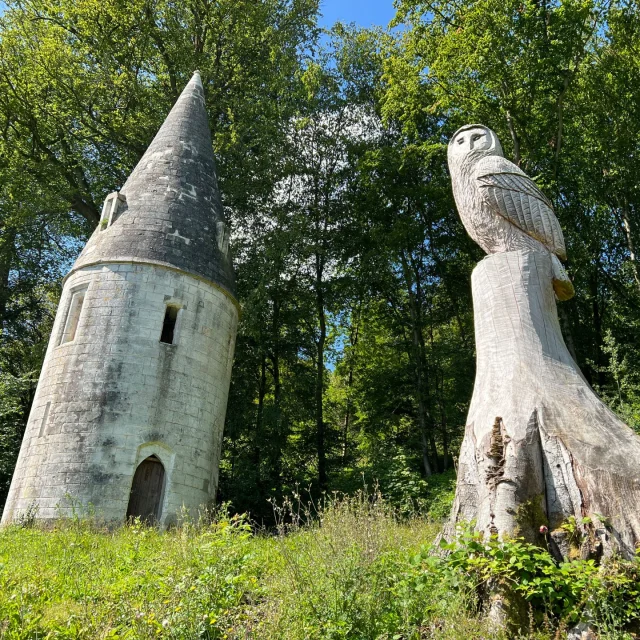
[(540, 446)]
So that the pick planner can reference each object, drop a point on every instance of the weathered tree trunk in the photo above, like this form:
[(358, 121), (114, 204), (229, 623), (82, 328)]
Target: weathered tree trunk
[(540, 446)]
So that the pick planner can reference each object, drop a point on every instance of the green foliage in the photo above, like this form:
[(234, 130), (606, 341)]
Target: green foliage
[(623, 395), (14, 394), (563, 593), (403, 487), (346, 574), (440, 495), (349, 567)]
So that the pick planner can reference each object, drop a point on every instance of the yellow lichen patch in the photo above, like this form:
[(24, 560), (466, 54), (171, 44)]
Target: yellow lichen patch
[(563, 289)]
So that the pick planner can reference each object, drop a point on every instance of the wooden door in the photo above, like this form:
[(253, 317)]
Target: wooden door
[(146, 490)]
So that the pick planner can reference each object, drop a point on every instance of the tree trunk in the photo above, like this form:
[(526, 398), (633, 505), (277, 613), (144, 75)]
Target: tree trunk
[(347, 416), (416, 355), (7, 251), (443, 424), (626, 222), (277, 393), (597, 325), (322, 336), (539, 445), (257, 443), (277, 405)]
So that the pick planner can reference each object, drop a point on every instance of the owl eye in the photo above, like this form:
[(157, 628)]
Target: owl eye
[(460, 140), (476, 136)]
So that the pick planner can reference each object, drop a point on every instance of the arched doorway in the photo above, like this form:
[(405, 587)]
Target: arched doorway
[(147, 489)]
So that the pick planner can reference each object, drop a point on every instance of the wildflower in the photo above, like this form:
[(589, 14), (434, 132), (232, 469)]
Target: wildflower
[(544, 530), (165, 623)]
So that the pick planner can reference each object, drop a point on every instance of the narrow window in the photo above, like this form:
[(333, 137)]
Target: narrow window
[(73, 316), (168, 334), (230, 346), (222, 233), (113, 206), (45, 417), (104, 216)]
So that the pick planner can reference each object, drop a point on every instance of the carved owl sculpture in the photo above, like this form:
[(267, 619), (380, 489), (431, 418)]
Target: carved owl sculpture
[(501, 208)]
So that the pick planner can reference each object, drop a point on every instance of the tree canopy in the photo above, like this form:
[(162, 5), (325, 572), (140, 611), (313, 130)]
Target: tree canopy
[(355, 356)]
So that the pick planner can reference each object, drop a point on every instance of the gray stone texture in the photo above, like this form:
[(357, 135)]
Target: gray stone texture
[(173, 204), (113, 394), (117, 395)]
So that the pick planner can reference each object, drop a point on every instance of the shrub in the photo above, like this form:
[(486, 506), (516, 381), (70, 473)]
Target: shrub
[(406, 490), (352, 567), (564, 593), (349, 573)]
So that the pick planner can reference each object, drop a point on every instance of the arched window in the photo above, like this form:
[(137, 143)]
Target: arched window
[(147, 490)]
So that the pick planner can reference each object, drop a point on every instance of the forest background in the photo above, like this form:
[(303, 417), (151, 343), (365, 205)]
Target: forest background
[(355, 354)]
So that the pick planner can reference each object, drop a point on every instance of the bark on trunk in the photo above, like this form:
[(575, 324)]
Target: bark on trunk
[(257, 444), (626, 222), (7, 251), (540, 446), (420, 370), (320, 444)]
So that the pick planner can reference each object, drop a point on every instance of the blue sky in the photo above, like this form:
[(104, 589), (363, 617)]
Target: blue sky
[(364, 13)]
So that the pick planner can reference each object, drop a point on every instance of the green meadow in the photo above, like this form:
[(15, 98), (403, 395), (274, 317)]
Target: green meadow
[(351, 567)]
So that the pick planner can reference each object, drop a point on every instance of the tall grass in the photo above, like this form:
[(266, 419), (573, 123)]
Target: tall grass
[(347, 568)]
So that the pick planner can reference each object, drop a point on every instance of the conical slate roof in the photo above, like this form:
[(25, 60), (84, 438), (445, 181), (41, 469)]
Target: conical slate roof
[(173, 213)]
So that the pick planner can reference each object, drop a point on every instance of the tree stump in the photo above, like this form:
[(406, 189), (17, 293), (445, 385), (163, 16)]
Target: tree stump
[(539, 445)]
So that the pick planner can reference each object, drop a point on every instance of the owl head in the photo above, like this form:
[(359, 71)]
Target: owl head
[(472, 142)]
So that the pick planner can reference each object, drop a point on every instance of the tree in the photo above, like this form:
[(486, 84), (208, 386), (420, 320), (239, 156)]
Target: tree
[(83, 88), (539, 445)]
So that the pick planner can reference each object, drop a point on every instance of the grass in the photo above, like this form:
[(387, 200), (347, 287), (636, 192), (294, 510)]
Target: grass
[(345, 574), (348, 569)]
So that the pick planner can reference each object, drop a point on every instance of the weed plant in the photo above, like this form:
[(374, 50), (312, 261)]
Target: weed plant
[(349, 567)]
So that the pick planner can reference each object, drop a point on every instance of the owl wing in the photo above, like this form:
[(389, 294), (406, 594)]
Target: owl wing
[(508, 191)]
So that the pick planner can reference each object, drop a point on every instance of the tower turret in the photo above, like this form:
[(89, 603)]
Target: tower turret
[(130, 405)]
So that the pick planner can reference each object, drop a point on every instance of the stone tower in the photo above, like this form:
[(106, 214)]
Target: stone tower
[(130, 405)]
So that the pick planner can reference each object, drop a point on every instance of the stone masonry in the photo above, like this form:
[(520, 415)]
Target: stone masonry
[(111, 393)]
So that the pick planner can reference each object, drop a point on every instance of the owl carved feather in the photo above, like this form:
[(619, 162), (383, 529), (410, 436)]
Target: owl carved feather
[(501, 208), (513, 195)]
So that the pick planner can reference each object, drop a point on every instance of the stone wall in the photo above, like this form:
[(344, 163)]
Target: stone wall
[(115, 394)]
